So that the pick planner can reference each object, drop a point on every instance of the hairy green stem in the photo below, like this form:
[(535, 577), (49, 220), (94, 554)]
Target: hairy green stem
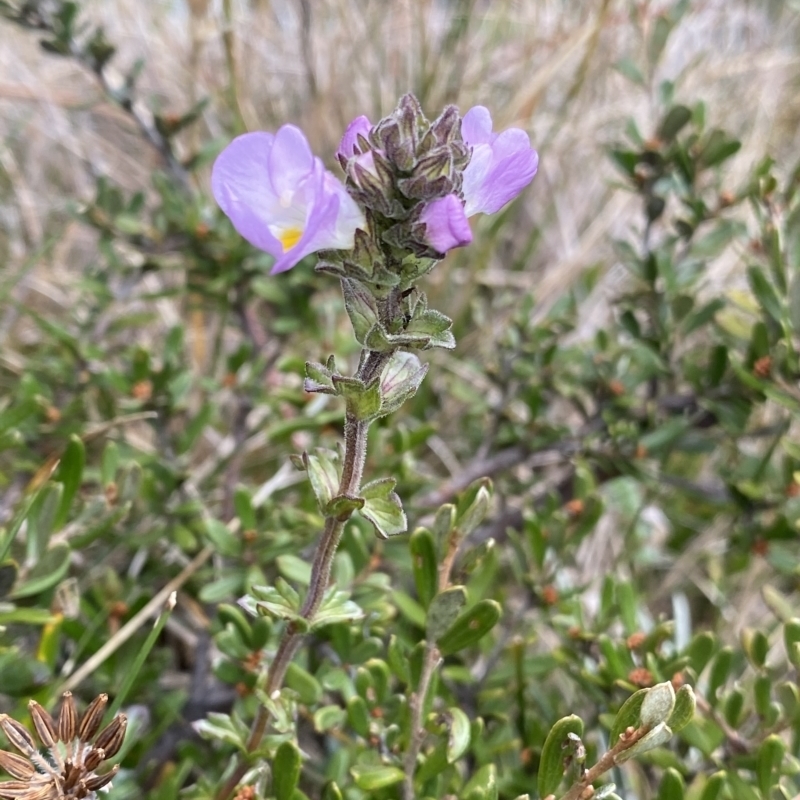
[(355, 453)]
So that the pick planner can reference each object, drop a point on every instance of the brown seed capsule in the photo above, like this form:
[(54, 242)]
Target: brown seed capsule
[(112, 736), (16, 766), (92, 718), (17, 735), (43, 722), (67, 718)]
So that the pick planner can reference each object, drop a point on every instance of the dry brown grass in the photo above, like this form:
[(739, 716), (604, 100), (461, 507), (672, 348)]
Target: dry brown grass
[(546, 65)]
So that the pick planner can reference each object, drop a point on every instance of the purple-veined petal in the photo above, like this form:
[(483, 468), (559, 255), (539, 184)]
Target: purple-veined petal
[(348, 147), (446, 224)]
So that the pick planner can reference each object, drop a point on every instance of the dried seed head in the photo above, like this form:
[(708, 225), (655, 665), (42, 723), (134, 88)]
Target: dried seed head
[(61, 773), (43, 722), (92, 718), (67, 719)]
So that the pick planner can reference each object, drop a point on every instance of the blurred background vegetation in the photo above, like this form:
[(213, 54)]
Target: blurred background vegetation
[(627, 375)]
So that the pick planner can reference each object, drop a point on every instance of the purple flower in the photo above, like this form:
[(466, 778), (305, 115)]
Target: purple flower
[(349, 147), (502, 164), (446, 223), (280, 197)]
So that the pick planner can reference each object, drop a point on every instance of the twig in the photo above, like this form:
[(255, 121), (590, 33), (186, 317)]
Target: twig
[(136, 622), (580, 790)]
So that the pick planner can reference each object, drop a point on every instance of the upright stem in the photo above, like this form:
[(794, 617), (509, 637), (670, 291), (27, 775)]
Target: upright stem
[(355, 453)]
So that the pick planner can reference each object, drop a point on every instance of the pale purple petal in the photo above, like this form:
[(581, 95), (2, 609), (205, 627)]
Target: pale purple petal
[(281, 198), (446, 224), (348, 147), (476, 126), (291, 160), (241, 185), (500, 167)]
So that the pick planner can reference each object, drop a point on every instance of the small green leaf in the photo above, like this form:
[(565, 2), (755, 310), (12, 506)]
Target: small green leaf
[(768, 764), (683, 712), (336, 607), (319, 377), (765, 293), (328, 718), (551, 765), (383, 508), (659, 735), (756, 646), (69, 473), (48, 571), (226, 542), (700, 650), (482, 785), (361, 309), (308, 688), (323, 473), (791, 634), (672, 787), (371, 777), (444, 610), (714, 786), (628, 716), (674, 121), (657, 705), (243, 505), (720, 670), (358, 715), (399, 381), (423, 564), (470, 627), (459, 734), (472, 516)]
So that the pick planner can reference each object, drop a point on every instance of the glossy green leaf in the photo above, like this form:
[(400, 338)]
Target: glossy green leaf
[(70, 474), (372, 777), (628, 716), (470, 627), (423, 564), (285, 771), (551, 765), (683, 711), (458, 738), (444, 610)]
